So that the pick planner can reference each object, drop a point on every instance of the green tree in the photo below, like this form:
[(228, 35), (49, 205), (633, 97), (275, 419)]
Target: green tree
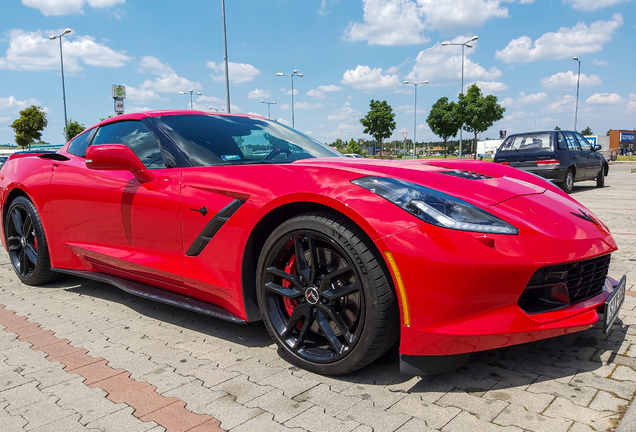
[(477, 112), (339, 144), (379, 121), (353, 147), (587, 131), (443, 120), (104, 118), (557, 128), (28, 128), (74, 128)]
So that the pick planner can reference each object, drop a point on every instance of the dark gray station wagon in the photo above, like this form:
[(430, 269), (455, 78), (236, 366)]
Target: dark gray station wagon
[(562, 157)]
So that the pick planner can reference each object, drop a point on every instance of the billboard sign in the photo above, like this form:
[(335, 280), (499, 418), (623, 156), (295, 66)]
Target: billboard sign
[(119, 91), (591, 139), (119, 105), (627, 137)]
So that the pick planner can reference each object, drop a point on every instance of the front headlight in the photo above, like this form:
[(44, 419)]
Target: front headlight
[(435, 207)]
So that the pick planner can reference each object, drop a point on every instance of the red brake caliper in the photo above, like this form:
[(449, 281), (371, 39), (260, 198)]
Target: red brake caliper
[(291, 269)]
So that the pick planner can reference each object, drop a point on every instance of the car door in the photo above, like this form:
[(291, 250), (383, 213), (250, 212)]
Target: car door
[(592, 158), (114, 222), (578, 159)]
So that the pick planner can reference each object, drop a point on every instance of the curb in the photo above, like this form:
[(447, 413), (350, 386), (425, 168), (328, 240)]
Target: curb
[(628, 422)]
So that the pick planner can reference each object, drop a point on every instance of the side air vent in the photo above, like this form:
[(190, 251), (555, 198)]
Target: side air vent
[(213, 227), (468, 175)]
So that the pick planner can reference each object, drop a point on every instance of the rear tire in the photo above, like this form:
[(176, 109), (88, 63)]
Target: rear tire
[(600, 178), (26, 243), (324, 295), (568, 181)]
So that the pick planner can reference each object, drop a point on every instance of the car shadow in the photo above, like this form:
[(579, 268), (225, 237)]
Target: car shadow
[(582, 188), (515, 366)]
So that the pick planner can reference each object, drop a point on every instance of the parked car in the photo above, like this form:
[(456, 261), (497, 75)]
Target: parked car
[(353, 155), (3, 159), (339, 258), (563, 157)]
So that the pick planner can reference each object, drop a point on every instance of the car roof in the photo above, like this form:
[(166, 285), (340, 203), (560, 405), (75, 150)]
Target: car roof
[(157, 113)]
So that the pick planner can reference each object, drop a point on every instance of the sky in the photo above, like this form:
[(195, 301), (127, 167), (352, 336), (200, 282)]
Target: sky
[(349, 52)]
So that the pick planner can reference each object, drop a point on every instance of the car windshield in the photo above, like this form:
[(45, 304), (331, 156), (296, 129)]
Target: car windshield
[(209, 140), (527, 143)]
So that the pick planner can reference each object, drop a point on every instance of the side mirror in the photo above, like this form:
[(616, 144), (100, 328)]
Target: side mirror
[(597, 147), (117, 157)]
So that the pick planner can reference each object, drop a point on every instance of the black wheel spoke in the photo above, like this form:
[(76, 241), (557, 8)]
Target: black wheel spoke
[(307, 323), (328, 332), (299, 312), (290, 293), (301, 263), (340, 291), (331, 313), (17, 221), (14, 243), (294, 279), (31, 253), (27, 227), (313, 255), (24, 263)]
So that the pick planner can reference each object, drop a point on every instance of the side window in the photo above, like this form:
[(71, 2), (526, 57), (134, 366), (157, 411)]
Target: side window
[(562, 145), (79, 144), (137, 136), (584, 143), (573, 143)]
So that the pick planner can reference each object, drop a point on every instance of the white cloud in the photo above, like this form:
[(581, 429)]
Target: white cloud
[(490, 87), (35, 51), (443, 65), (365, 78), (11, 104), (323, 6), (4, 120), (562, 104), (288, 92), (409, 109), (167, 81), (631, 105), (344, 113), (568, 79), (591, 5), (577, 40), (238, 72), (67, 7), (531, 98), (598, 62), (604, 99), (319, 93), (136, 94), (137, 109), (307, 105), (403, 22), (258, 94)]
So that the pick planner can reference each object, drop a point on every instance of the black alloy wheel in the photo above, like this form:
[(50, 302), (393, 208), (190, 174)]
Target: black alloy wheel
[(318, 302), (26, 243)]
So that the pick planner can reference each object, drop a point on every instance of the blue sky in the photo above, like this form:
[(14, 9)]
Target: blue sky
[(349, 52)]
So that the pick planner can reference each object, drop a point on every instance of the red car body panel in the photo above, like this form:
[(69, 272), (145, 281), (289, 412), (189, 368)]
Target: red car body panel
[(461, 288)]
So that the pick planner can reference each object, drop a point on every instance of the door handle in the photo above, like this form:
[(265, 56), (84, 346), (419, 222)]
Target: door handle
[(202, 210)]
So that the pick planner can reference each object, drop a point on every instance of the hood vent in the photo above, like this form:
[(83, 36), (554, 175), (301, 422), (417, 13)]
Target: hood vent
[(468, 175)]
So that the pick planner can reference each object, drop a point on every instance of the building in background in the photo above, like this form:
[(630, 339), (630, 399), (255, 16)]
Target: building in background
[(622, 141)]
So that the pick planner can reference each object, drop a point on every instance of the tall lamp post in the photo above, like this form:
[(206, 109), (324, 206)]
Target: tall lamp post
[(53, 37), (268, 105), (227, 66), (295, 72), (463, 45), (578, 80), (191, 91), (415, 84)]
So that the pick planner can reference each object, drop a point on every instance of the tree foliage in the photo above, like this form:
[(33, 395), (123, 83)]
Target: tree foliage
[(379, 121), (339, 144), (587, 131), (477, 112), (74, 128), (557, 128), (443, 119), (28, 128), (353, 147)]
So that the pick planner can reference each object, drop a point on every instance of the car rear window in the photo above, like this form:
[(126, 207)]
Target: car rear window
[(528, 143)]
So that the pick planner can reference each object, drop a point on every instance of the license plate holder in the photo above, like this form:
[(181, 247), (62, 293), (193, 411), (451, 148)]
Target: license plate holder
[(613, 304)]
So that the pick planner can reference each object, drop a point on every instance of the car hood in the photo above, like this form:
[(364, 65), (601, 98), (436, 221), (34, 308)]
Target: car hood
[(478, 182)]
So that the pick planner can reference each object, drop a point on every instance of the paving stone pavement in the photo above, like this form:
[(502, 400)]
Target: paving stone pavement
[(205, 367)]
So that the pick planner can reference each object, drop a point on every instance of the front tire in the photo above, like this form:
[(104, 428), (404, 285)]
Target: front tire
[(324, 296), (26, 243), (568, 182), (600, 178)]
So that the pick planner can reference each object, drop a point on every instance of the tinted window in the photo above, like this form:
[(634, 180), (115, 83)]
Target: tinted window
[(584, 143), (79, 144), (133, 134), (563, 145), (208, 140), (573, 143), (528, 143)]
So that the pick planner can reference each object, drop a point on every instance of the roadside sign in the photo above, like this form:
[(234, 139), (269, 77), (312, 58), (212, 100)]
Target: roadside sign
[(119, 91), (404, 134), (361, 142), (119, 105)]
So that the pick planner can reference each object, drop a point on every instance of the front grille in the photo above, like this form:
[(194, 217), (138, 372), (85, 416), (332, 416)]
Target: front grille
[(584, 279)]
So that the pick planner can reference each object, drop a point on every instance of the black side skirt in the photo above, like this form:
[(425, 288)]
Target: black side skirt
[(431, 365), (157, 294)]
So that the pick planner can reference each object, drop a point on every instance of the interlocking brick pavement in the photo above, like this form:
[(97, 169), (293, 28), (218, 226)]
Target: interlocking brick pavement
[(181, 366)]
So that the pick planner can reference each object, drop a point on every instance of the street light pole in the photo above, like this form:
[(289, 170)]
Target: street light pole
[(415, 84), (227, 73), (268, 104), (295, 72), (578, 80), (191, 91), (463, 45), (53, 37)]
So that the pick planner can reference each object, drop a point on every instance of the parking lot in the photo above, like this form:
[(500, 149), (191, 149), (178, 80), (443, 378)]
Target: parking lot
[(120, 363)]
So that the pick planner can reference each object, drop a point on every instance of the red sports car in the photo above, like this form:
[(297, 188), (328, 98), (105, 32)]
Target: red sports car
[(244, 219)]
